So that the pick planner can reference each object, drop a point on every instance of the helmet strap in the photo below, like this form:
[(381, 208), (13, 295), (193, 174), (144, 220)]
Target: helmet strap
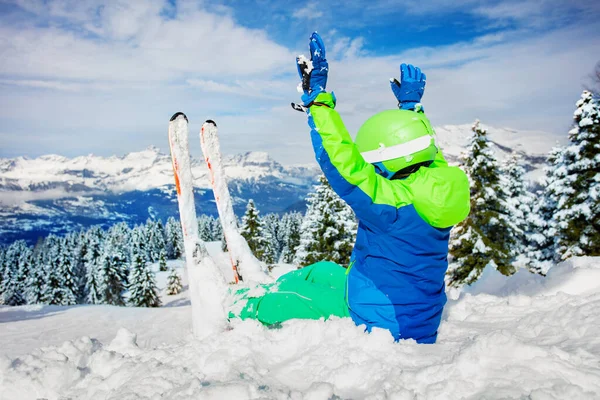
[(382, 170)]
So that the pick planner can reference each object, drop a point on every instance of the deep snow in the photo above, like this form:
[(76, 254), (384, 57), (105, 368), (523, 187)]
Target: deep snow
[(520, 337)]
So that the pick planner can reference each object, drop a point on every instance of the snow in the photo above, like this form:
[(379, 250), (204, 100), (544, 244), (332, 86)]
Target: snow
[(524, 336), (56, 176)]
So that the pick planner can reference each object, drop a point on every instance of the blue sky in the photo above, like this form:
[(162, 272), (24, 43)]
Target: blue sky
[(103, 77)]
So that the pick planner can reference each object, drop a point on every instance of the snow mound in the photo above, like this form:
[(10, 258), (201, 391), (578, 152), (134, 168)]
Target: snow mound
[(525, 336)]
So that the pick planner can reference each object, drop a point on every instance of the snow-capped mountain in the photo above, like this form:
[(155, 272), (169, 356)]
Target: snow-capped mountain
[(56, 194), (53, 193)]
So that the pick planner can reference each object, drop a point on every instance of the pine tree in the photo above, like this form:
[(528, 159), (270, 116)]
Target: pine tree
[(173, 283), (205, 227), (174, 239), (37, 277), (10, 288), (290, 231), (79, 242), (252, 229), (542, 241), (51, 292), (2, 267), (328, 229), (576, 185), (519, 204), (139, 240), (271, 238), (155, 239), (485, 236), (111, 266), (24, 266), (68, 286), (92, 259), (162, 260), (142, 285)]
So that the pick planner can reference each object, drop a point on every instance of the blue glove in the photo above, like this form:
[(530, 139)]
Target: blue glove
[(313, 72), (410, 88)]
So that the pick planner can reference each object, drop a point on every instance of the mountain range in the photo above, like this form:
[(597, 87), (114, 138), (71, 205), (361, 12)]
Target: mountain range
[(56, 194)]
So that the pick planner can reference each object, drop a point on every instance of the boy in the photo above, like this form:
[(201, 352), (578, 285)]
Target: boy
[(406, 199)]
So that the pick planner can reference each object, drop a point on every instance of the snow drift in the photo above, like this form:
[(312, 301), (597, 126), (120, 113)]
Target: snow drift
[(525, 336)]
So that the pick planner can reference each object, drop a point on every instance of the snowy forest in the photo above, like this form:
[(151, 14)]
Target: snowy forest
[(512, 225)]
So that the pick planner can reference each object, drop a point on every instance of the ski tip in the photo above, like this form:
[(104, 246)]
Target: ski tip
[(177, 114), (210, 121)]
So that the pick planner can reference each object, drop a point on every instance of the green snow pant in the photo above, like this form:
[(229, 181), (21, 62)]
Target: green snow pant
[(313, 292)]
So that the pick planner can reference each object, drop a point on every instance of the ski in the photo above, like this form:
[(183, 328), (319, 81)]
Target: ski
[(245, 266), (206, 282)]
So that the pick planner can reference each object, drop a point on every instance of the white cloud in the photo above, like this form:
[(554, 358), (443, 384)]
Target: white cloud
[(136, 43), (310, 11), (113, 89)]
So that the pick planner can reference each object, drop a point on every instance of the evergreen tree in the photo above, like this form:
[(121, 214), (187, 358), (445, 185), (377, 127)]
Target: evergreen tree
[(155, 239), (79, 242), (162, 260), (520, 204), (174, 239), (52, 291), (139, 240), (24, 266), (252, 229), (111, 265), (68, 285), (290, 232), (272, 241), (217, 229), (173, 283), (328, 231), (576, 185), (542, 242), (92, 259), (205, 228), (2, 268), (10, 288), (37, 277), (142, 284), (485, 236)]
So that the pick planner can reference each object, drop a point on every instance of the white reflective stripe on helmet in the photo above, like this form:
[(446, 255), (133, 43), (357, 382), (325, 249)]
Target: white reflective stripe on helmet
[(399, 150)]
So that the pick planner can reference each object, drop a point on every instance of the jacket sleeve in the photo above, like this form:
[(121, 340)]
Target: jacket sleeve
[(373, 198)]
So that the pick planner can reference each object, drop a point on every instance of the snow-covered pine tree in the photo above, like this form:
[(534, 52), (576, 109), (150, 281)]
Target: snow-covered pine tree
[(524, 223), (52, 291), (67, 293), (290, 231), (10, 288), (173, 283), (25, 264), (272, 242), (2, 267), (37, 277), (328, 231), (576, 184), (162, 260), (252, 229), (173, 238), (205, 227), (542, 243), (95, 242), (79, 242), (485, 236), (139, 239), (155, 239), (111, 266), (142, 285)]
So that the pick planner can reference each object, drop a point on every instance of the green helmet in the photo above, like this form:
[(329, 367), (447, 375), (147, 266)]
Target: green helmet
[(396, 139)]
